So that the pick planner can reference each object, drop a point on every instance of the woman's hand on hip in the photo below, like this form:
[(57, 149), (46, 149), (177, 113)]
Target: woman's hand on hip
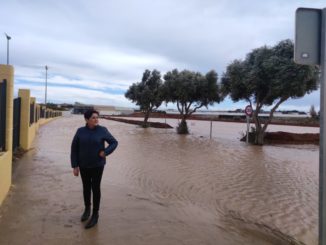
[(102, 154), (76, 171)]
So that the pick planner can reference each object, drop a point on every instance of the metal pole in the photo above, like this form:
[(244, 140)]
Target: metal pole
[(210, 134), (46, 84), (322, 148), (7, 51), (8, 38), (165, 119), (247, 138)]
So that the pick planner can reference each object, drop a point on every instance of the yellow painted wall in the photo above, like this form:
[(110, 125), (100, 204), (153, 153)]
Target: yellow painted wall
[(43, 121), (27, 131), (7, 72), (5, 174), (31, 135)]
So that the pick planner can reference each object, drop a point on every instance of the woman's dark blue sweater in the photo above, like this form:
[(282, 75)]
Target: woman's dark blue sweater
[(87, 144)]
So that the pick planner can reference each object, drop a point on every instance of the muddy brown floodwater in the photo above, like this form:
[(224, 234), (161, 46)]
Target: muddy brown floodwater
[(162, 188)]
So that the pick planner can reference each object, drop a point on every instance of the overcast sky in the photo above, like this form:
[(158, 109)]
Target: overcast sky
[(96, 49)]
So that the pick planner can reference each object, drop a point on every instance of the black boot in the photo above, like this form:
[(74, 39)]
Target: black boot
[(86, 214), (93, 221)]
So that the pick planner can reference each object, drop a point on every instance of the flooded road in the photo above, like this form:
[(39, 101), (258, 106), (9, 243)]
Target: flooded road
[(162, 188)]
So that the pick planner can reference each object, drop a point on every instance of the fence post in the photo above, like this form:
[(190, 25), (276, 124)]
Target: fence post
[(24, 94), (210, 134)]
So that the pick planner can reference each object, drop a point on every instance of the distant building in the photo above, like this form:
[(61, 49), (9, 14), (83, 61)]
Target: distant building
[(105, 110), (124, 110), (113, 110), (102, 109), (81, 108)]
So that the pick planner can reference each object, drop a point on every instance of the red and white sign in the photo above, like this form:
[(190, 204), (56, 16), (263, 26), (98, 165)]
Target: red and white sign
[(248, 110)]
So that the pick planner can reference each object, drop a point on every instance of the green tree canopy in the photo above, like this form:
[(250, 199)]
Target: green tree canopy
[(267, 77), (147, 94), (190, 91)]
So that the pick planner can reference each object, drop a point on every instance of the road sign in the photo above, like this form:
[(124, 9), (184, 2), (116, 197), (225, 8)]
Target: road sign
[(307, 36), (248, 110)]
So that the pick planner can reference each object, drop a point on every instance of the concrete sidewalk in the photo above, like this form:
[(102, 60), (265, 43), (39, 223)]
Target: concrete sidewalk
[(45, 202)]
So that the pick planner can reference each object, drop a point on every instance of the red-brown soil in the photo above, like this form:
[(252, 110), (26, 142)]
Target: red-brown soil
[(302, 122), (140, 123), (270, 137), (286, 138), (291, 138)]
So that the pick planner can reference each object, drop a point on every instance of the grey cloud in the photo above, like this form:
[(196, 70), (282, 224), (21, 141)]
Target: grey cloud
[(193, 34)]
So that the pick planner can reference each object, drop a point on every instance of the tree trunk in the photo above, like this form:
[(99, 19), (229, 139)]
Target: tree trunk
[(259, 136), (145, 125), (183, 127), (259, 131)]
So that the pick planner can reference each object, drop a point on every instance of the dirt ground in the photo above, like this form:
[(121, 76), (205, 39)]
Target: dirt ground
[(148, 198)]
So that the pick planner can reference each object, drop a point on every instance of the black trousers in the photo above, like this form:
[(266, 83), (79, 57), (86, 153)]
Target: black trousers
[(91, 178)]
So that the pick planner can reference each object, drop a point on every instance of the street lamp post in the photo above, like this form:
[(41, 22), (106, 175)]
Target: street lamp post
[(8, 38), (310, 49), (46, 83)]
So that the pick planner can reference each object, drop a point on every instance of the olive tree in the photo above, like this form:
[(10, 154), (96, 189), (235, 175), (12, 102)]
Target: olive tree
[(147, 94), (190, 91), (268, 76)]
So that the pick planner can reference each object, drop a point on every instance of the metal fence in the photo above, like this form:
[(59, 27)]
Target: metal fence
[(16, 123), (42, 113), (31, 114), (3, 109), (37, 114)]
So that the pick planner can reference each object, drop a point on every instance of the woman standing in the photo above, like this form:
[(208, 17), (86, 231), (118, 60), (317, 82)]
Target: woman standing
[(88, 154)]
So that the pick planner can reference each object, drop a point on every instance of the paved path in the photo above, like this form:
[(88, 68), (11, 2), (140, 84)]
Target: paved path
[(45, 203)]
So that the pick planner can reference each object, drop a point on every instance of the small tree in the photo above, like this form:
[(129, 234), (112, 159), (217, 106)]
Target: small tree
[(313, 112), (147, 94), (190, 91), (268, 77)]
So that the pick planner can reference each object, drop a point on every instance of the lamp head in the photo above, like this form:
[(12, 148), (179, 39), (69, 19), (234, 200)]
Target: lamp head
[(7, 36)]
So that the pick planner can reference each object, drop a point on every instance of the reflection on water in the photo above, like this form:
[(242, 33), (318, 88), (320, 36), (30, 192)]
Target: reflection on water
[(261, 195)]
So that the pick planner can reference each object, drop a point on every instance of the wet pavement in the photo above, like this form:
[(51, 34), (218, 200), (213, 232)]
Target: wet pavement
[(162, 188)]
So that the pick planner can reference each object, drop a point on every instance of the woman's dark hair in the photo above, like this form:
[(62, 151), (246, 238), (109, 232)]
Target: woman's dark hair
[(89, 113)]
